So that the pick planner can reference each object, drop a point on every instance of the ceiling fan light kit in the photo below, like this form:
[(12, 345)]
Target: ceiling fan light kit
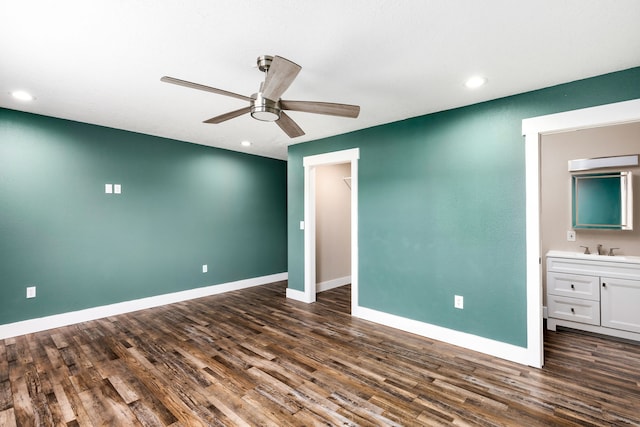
[(265, 109), (266, 105)]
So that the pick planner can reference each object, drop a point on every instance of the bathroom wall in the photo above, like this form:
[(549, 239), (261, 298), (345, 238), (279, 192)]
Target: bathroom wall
[(555, 216), (333, 223)]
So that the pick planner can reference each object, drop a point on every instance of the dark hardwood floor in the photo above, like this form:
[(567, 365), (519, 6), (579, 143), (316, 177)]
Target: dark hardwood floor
[(251, 357)]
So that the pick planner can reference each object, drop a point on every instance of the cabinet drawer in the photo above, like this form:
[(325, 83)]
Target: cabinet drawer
[(574, 309), (573, 286)]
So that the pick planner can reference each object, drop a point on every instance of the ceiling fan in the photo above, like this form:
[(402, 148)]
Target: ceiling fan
[(266, 105)]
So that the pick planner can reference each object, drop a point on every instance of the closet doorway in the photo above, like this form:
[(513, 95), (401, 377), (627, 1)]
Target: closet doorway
[(333, 226), (331, 180)]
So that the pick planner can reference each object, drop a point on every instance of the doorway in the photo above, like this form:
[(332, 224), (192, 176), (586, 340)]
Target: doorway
[(311, 165), (533, 129), (333, 226)]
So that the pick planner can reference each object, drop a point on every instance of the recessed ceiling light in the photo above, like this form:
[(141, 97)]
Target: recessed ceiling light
[(22, 95), (475, 82), (245, 144)]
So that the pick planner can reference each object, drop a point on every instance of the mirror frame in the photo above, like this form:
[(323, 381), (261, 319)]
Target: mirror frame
[(625, 199)]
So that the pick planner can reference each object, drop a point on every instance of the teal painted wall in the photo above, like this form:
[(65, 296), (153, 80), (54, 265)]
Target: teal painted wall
[(442, 208), (183, 205)]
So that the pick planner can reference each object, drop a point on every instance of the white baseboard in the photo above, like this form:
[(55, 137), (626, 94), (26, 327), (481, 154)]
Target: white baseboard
[(297, 295), (320, 287), (488, 346), (333, 283), (64, 319)]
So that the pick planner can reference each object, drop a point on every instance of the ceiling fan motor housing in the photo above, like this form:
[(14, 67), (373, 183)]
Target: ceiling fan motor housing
[(265, 109)]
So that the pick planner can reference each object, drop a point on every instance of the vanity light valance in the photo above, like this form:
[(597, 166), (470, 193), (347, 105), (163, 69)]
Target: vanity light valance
[(603, 162)]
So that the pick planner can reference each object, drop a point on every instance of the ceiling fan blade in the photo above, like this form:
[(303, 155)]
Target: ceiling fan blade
[(198, 86), (329, 108), (280, 75), (228, 116), (289, 127)]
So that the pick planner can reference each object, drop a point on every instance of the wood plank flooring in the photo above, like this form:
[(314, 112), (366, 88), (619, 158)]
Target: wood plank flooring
[(253, 358)]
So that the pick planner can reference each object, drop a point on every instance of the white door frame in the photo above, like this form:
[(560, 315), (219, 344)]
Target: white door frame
[(533, 129), (310, 163)]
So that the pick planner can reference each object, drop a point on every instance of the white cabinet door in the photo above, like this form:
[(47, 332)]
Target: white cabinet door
[(620, 304)]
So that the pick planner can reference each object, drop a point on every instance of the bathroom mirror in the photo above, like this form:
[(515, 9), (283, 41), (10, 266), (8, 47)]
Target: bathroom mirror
[(602, 200)]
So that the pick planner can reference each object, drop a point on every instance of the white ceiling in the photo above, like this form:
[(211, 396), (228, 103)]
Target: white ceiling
[(101, 61)]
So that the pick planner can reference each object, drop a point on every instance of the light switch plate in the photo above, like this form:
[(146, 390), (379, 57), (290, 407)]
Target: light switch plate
[(108, 188), (571, 236), (117, 188), (301, 225), (31, 292), (458, 302), (205, 268)]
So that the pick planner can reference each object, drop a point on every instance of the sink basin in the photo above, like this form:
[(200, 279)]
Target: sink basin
[(595, 257)]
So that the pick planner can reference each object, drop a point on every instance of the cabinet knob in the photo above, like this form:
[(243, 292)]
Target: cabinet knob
[(572, 287), (604, 285), (572, 310)]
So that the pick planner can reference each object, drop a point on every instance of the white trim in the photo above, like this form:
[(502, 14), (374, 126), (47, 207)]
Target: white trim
[(333, 283), (603, 115), (532, 129), (532, 257), (332, 158), (64, 319), (450, 336), (309, 233), (310, 163), (297, 295), (355, 273)]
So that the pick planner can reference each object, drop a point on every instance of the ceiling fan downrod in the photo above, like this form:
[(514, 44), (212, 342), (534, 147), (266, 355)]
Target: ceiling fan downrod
[(264, 109)]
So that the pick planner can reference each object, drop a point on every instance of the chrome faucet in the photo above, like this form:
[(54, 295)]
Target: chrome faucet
[(611, 251), (600, 252), (586, 250)]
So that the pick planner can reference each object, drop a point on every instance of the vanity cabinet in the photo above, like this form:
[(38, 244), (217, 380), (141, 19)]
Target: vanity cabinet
[(594, 293)]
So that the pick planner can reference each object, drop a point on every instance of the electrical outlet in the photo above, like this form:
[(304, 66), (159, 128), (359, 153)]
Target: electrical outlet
[(31, 292), (205, 268), (571, 236), (458, 301)]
